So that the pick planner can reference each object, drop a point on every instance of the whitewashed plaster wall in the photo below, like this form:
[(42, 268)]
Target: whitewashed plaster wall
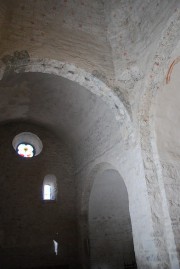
[(32, 27), (123, 152), (153, 173), (167, 120), (134, 32), (128, 162)]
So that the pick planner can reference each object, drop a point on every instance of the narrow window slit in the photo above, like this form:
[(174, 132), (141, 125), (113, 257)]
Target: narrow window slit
[(55, 247), (49, 188)]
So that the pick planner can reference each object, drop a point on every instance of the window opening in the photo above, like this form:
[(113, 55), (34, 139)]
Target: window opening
[(55, 247), (47, 192), (25, 150), (49, 187), (27, 145)]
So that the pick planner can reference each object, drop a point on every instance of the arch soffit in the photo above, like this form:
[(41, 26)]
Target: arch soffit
[(97, 170), (75, 74)]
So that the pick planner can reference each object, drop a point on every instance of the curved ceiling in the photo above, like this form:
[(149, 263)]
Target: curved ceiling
[(67, 108)]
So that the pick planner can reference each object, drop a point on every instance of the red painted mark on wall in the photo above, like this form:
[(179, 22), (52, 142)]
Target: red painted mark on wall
[(168, 76)]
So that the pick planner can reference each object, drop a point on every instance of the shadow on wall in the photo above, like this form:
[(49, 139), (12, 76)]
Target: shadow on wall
[(110, 231), (29, 225)]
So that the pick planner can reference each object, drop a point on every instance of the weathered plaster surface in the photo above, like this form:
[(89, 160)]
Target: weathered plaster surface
[(70, 31), (171, 177), (102, 63), (167, 120), (134, 31), (153, 172)]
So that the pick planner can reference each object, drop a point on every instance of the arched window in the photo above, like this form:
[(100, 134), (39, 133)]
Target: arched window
[(50, 187), (27, 145)]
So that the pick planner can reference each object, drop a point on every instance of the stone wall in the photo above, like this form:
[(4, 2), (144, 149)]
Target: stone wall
[(127, 45), (28, 224), (171, 176), (70, 31)]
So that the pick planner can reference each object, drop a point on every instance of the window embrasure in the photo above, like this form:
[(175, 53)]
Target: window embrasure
[(50, 187)]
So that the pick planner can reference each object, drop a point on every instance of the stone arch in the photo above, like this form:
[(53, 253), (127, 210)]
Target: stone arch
[(88, 81), (73, 73), (98, 169), (79, 76), (95, 174), (158, 203)]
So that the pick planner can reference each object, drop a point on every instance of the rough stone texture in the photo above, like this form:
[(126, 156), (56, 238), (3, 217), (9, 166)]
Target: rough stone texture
[(89, 71), (153, 171), (171, 175), (55, 30), (134, 31)]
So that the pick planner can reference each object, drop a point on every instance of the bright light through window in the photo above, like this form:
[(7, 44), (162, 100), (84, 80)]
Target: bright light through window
[(47, 192), (49, 188), (55, 247), (25, 150)]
